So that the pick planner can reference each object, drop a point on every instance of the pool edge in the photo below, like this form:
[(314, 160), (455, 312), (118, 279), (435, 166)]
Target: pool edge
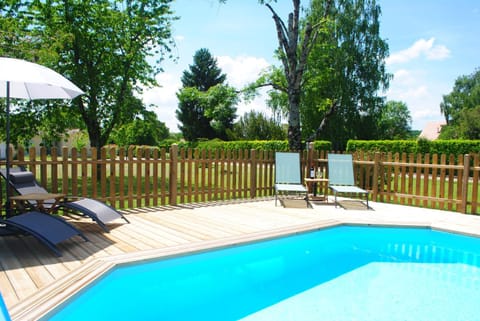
[(47, 299)]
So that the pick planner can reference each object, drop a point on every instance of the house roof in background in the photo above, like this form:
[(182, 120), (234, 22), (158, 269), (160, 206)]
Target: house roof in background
[(432, 130)]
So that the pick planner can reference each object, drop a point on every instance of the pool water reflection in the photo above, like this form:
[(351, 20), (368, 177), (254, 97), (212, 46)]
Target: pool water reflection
[(340, 273)]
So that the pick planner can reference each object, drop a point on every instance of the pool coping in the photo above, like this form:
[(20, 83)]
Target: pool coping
[(47, 299)]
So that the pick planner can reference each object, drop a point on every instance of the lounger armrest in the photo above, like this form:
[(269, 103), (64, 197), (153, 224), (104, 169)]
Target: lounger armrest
[(72, 198)]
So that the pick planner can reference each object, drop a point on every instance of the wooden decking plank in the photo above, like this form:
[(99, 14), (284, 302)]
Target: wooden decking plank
[(18, 276), (191, 224), (107, 247), (50, 262), (165, 231), (237, 222), (129, 238), (177, 226), (36, 271), (208, 228), (161, 235), (6, 288), (142, 239), (215, 225)]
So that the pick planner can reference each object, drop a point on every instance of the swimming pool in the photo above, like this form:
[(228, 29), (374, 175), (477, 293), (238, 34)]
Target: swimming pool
[(339, 273)]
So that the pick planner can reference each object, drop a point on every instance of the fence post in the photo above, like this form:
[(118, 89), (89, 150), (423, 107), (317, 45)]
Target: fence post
[(465, 178), (65, 175), (173, 174), (376, 178), (253, 173)]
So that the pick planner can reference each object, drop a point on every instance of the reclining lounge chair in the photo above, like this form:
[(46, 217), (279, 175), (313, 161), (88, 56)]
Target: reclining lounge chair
[(24, 183), (48, 229), (341, 178), (287, 175)]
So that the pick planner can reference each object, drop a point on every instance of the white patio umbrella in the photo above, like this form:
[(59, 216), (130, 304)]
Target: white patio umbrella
[(27, 80)]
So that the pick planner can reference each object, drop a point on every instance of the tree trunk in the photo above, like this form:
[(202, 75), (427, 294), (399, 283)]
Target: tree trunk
[(294, 130)]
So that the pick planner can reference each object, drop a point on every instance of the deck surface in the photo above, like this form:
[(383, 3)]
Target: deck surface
[(28, 269)]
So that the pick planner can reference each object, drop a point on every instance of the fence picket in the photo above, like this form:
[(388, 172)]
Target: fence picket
[(434, 190), (140, 176), (475, 182), (451, 177)]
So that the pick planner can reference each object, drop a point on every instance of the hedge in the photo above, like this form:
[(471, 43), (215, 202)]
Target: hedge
[(267, 145), (421, 146)]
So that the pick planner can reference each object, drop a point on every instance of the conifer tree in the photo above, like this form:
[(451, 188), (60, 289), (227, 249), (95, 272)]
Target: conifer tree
[(197, 110)]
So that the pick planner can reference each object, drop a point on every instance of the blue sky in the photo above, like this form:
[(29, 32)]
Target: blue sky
[(432, 43)]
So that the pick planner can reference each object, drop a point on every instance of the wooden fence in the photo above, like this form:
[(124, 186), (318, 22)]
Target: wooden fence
[(144, 177)]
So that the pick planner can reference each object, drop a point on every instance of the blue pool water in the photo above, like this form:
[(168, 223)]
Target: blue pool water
[(342, 273)]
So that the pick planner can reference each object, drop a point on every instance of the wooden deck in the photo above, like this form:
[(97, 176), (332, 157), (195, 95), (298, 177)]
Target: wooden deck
[(29, 270)]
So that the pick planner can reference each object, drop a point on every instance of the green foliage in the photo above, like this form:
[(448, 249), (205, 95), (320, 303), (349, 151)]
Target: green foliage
[(278, 145), (461, 109), (103, 46), (147, 130), (191, 115), (256, 126), (394, 121), (454, 147), (220, 107), (385, 146), (469, 122), (422, 146), (322, 145), (345, 68), (214, 111), (266, 145), (206, 106), (80, 139), (166, 143), (204, 72)]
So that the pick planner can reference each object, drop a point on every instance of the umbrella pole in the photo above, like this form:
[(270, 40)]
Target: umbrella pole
[(8, 208)]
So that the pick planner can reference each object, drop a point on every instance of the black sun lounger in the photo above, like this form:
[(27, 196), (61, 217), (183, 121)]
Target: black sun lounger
[(24, 182), (48, 229)]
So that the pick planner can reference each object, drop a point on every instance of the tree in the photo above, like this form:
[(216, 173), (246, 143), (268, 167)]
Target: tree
[(204, 72), (19, 40), (345, 73), (333, 68), (104, 48), (206, 106), (460, 108), (395, 121), (144, 130), (214, 111), (470, 123), (294, 48), (257, 126)]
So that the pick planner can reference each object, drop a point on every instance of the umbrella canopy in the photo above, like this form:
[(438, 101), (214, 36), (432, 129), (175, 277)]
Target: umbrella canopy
[(32, 81), (27, 80)]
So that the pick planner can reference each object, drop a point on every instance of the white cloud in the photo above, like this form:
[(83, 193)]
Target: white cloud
[(422, 99), (240, 71), (417, 87), (165, 99), (421, 47), (403, 77), (438, 52)]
